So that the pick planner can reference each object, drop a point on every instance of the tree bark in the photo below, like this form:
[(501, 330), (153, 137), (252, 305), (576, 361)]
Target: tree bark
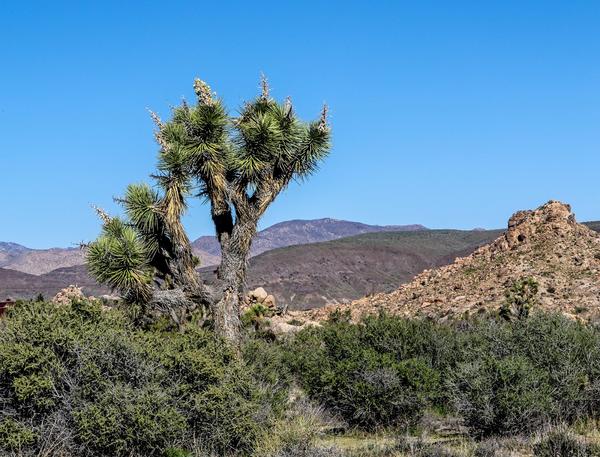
[(226, 310), (231, 275)]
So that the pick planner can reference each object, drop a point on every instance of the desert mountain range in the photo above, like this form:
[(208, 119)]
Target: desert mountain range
[(13, 256), (26, 272), (297, 232), (310, 264)]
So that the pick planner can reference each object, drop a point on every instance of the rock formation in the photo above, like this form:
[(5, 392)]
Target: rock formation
[(67, 295), (260, 296)]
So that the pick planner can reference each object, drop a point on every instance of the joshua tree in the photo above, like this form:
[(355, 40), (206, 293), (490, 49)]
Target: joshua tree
[(521, 296), (239, 165)]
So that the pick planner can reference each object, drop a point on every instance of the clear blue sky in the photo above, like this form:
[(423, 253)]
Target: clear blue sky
[(449, 114)]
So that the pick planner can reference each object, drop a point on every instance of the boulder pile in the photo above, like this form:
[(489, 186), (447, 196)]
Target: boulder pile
[(260, 296), (67, 295)]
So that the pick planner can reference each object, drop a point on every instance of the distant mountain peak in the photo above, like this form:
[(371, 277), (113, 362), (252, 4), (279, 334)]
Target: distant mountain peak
[(300, 231), (11, 247)]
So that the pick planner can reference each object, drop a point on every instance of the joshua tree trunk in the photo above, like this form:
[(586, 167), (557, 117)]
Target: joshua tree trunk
[(226, 310), (231, 275)]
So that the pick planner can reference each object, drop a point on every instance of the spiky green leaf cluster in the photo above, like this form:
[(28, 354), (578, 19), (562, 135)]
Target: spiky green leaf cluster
[(119, 258), (266, 144)]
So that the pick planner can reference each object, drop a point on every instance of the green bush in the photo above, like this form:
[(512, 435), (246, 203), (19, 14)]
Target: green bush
[(267, 361), (520, 298), (570, 354), (103, 386), (15, 435), (382, 372), (28, 375), (500, 396), (564, 353), (223, 414), (128, 420), (502, 376), (121, 390)]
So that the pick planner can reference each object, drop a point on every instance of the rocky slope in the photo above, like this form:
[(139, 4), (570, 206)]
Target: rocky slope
[(546, 244), (313, 275)]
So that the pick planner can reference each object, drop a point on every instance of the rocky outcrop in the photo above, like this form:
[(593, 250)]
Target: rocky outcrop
[(260, 296), (68, 295), (257, 295), (546, 244)]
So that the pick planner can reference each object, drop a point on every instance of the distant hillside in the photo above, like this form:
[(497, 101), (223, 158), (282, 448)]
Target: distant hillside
[(546, 244), (10, 249), (40, 261), (37, 261), (313, 275), (17, 284), (309, 275), (298, 231)]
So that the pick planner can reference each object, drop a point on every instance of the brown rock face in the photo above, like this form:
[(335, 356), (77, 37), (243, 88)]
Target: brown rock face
[(524, 225), (546, 244)]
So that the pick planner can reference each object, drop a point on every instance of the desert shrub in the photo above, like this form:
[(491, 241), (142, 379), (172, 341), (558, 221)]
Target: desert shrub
[(563, 443), (505, 395), (28, 375), (15, 435), (295, 433), (120, 389), (488, 448), (254, 314), (125, 420), (564, 352), (223, 414), (267, 362), (382, 372), (502, 376), (568, 352)]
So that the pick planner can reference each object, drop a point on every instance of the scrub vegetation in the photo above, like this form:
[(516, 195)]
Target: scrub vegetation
[(83, 379)]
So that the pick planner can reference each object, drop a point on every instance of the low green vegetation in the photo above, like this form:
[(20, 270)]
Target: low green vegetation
[(500, 377), (562, 442), (87, 380), (82, 380)]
